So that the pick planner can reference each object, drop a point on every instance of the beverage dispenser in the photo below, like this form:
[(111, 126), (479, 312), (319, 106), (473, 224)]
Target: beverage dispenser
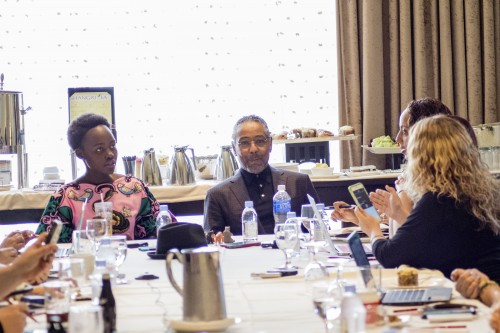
[(12, 139)]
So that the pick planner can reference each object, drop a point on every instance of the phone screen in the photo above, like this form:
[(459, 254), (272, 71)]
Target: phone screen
[(362, 199)]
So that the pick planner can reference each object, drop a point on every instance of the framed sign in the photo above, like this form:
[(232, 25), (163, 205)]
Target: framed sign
[(90, 100)]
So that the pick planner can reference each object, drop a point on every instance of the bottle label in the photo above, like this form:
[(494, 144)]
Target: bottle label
[(282, 206)]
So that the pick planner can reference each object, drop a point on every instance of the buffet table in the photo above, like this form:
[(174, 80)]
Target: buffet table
[(258, 305), (27, 205)]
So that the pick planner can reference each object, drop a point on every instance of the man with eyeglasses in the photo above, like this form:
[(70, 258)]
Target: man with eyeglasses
[(256, 180)]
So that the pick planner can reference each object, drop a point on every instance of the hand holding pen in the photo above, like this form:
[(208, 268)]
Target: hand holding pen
[(344, 212)]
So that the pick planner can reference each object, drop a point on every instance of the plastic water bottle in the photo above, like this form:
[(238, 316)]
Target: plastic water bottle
[(282, 204), (291, 217), (163, 218), (106, 253), (96, 279), (352, 314), (249, 223), (317, 231)]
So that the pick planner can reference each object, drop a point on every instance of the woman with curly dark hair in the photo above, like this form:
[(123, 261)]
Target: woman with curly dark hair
[(134, 206)]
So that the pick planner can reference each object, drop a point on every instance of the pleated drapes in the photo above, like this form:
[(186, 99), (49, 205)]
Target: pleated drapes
[(393, 51)]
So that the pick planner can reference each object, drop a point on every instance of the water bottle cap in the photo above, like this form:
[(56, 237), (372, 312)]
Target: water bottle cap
[(248, 204), (163, 208), (281, 187), (350, 288), (106, 241), (291, 215), (100, 263)]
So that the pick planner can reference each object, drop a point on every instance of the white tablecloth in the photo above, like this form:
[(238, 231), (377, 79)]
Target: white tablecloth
[(263, 305)]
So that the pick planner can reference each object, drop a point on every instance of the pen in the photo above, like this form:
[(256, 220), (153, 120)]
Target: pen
[(405, 310), (450, 326), (346, 206), (27, 314), (4, 249)]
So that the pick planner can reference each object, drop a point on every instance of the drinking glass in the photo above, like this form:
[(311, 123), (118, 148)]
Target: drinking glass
[(315, 270), (73, 271), (104, 209), (96, 230), (287, 236), (326, 297), (119, 244), (57, 303), (85, 319)]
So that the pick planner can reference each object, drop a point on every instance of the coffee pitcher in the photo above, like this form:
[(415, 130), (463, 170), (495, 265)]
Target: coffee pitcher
[(203, 291), (150, 169), (181, 167), (226, 164)]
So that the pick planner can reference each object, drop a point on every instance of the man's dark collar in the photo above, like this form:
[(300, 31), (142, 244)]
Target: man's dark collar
[(249, 177)]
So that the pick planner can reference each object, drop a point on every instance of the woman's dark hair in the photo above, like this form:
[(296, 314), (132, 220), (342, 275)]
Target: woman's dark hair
[(81, 125), (465, 123), (425, 107)]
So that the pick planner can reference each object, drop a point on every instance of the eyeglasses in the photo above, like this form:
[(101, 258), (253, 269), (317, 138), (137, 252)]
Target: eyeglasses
[(259, 142)]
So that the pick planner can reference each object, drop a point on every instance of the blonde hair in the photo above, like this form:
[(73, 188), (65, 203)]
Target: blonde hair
[(442, 159)]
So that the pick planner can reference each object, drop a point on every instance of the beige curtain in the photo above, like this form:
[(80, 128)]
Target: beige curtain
[(393, 51)]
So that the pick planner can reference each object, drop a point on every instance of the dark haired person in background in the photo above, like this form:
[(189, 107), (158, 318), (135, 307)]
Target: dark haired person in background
[(393, 202), (134, 206), (456, 218)]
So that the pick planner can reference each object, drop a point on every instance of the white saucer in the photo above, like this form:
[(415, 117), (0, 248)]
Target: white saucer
[(206, 326)]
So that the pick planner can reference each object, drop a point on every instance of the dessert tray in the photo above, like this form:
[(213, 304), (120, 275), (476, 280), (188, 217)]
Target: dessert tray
[(382, 150)]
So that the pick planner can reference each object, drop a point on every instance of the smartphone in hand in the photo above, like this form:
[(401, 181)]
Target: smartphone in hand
[(54, 233), (362, 200)]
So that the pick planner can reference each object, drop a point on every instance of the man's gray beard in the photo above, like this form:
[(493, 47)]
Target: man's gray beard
[(254, 171)]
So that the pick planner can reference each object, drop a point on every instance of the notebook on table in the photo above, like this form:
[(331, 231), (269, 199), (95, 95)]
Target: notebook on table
[(410, 296)]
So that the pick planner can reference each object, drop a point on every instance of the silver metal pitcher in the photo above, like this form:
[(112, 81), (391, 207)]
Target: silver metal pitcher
[(150, 168), (182, 167), (226, 163), (203, 291)]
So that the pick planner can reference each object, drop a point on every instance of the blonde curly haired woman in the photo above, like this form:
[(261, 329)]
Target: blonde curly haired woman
[(456, 218)]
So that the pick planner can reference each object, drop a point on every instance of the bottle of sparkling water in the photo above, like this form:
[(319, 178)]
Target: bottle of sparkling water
[(282, 204), (249, 228)]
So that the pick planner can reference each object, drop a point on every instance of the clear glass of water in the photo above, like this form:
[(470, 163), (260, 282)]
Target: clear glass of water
[(96, 229), (119, 244), (85, 319), (287, 236), (315, 270), (326, 297)]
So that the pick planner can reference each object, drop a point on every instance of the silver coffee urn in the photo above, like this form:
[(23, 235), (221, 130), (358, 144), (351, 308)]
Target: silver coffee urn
[(12, 130)]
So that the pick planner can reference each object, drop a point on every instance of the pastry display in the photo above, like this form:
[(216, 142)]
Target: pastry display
[(407, 276), (321, 133), (297, 132), (308, 133), (279, 136), (304, 132), (346, 130), (384, 141)]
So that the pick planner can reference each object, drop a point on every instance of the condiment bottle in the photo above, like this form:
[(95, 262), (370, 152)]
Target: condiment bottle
[(107, 302)]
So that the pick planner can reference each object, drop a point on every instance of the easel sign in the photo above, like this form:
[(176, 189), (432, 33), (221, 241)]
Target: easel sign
[(99, 100)]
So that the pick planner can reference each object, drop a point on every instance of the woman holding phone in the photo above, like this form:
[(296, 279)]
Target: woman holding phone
[(456, 218)]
